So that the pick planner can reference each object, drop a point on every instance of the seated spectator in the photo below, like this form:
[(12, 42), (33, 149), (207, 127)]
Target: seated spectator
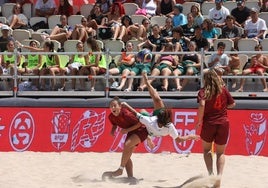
[(61, 32), (127, 61), (83, 31), (51, 66), (188, 29), (219, 61), (65, 8), (45, 8), (198, 17), (241, 13), (18, 20), (166, 31), (209, 32), (164, 66), (230, 30), (178, 40), (127, 29), (234, 66), (155, 40), (7, 65), (178, 17), (33, 62), (255, 26), (218, 13), (97, 16), (21, 2), (190, 65), (201, 42), (258, 65), (97, 64), (150, 7), (139, 32), (5, 38), (263, 5), (105, 5), (143, 64), (165, 7), (75, 64), (114, 20)]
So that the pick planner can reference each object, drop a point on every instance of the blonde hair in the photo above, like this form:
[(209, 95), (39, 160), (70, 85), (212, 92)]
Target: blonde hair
[(212, 84)]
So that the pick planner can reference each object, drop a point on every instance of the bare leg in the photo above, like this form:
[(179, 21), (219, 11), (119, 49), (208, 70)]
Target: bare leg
[(129, 147), (124, 79), (220, 158), (208, 156)]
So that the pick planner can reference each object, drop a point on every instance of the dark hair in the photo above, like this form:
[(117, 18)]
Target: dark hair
[(93, 43), (164, 116), (33, 41), (115, 99), (128, 18), (221, 44), (178, 30), (50, 45)]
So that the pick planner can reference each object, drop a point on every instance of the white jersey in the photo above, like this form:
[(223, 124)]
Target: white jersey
[(218, 16), (253, 29), (154, 130)]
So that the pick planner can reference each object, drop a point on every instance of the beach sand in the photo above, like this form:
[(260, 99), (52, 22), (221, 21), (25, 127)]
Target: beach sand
[(70, 170)]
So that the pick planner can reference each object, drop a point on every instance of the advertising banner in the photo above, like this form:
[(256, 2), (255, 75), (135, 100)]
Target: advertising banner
[(88, 130)]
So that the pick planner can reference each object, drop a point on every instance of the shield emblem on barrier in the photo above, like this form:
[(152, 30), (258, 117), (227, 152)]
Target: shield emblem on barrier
[(255, 133), (60, 128)]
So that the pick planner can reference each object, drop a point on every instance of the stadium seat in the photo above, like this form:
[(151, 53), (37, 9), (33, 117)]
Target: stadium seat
[(138, 18), (85, 9), (229, 44), (57, 44), (27, 10), (3, 19), (114, 46), (100, 44), (130, 8), (247, 45), (230, 5), (70, 45), (74, 19), (243, 60), (34, 20), (187, 7), (264, 16), (206, 6), (21, 34), (135, 43), (7, 9), (160, 20), (53, 21)]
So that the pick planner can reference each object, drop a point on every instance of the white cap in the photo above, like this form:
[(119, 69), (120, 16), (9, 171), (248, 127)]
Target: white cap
[(5, 27)]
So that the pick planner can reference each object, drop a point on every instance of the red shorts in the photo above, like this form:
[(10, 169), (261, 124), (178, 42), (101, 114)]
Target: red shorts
[(217, 133), (140, 132), (102, 71), (254, 69)]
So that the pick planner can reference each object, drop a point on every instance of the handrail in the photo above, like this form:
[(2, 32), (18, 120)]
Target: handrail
[(108, 54)]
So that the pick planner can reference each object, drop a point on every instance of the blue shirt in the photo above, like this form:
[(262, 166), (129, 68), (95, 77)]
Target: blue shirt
[(179, 19)]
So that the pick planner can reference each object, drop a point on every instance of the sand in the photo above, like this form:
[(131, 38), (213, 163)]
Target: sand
[(69, 170)]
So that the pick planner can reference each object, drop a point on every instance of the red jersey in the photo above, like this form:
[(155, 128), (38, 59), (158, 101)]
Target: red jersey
[(216, 108), (125, 119)]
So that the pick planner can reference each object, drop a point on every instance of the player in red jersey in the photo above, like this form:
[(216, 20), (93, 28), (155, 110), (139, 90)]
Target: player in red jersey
[(214, 100)]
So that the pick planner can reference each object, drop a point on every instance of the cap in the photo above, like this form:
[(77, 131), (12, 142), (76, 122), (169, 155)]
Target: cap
[(218, 1), (5, 27), (239, 2), (254, 9), (179, 7)]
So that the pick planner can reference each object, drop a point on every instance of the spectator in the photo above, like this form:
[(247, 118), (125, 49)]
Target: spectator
[(7, 65), (127, 61), (21, 2), (188, 29), (127, 29), (178, 17), (105, 6), (166, 31), (241, 13), (45, 8), (209, 32), (258, 65), (139, 32), (263, 5), (219, 61), (218, 13), (190, 65), (97, 16), (114, 20), (18, 20), (178, 40), (5, 38), (198, 17), (65, 8), (83, 31), (51, 65), (97, 63), (33, 62), (255, 27), (230, 30), (61, 32), (165, 7), (164, 66), (201, 42), (150, 6), (234, 67), (155, 40)]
